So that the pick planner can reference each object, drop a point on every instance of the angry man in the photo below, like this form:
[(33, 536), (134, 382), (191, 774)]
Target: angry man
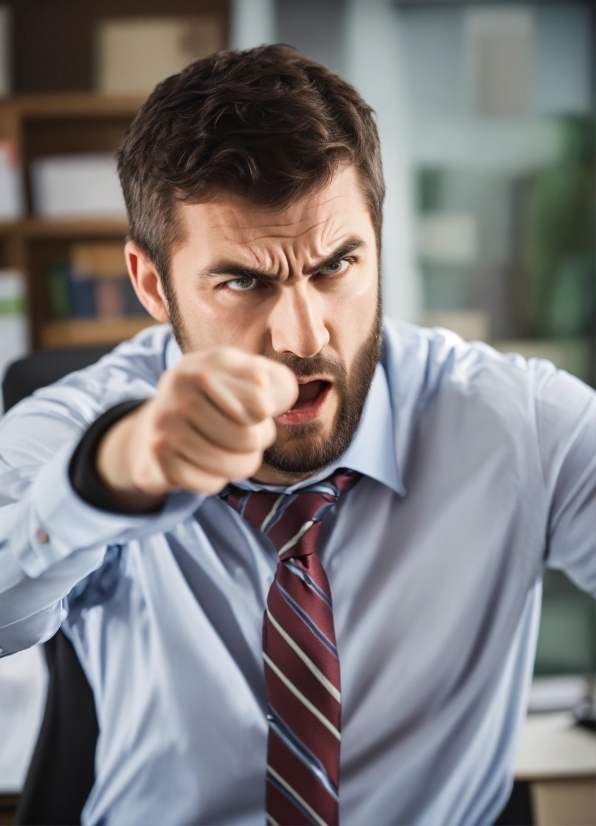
[(297, 547)]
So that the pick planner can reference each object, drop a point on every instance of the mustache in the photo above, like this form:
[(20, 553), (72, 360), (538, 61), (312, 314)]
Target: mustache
[(315, 366)]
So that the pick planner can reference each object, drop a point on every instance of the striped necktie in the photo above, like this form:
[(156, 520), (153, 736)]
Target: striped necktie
[(299, 649)]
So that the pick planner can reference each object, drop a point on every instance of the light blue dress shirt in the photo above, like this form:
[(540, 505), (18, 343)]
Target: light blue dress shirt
[(478, 469)]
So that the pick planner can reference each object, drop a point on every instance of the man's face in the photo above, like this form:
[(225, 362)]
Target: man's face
[(298, 285)]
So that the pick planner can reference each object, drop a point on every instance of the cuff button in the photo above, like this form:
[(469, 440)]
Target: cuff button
[(42, 536)]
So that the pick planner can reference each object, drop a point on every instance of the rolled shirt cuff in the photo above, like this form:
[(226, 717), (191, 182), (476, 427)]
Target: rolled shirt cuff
[(82, 469), (53, 521)]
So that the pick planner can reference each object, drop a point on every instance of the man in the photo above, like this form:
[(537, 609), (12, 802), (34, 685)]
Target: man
[(299, 558)]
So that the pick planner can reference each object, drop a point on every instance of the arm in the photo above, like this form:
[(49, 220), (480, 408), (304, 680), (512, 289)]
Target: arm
[(566, 424), (154, 461), (50, 538)]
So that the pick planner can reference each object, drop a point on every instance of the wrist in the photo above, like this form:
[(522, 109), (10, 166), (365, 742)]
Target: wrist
[(114, 463)]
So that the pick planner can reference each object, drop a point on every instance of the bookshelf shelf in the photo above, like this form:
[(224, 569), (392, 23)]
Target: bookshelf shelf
[(65, 227), (66, 104), (44, 125), (90, 331)]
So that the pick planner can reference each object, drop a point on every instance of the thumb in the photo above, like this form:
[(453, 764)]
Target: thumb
[(284, 387)]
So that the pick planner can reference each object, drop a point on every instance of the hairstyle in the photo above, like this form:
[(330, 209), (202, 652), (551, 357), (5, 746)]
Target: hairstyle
[(268, 124)]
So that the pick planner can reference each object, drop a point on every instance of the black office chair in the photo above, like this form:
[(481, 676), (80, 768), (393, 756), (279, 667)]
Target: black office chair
[(62, 769)]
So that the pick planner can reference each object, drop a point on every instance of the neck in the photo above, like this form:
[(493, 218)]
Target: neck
[(266, 475)]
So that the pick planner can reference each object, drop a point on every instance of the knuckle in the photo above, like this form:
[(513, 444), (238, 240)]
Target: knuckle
[(201, 375), (159, 445), (163, 420), (178, 381), (259, 374), (260, 405), (251, 438), (181, 408)]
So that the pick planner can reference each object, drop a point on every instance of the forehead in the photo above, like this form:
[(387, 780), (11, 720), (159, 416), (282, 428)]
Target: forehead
[(320, 220)]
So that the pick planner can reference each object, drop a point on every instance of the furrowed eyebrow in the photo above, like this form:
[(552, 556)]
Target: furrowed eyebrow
[(351, 245), (238, 271)]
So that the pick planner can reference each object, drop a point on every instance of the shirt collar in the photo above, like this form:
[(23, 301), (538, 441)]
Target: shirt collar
[(173, 353)]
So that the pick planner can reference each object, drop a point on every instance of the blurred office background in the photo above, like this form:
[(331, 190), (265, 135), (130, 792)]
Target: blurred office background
[(486, 114)]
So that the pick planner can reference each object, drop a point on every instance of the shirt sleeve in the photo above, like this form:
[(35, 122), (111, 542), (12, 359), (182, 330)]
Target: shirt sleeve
[(82, 470), (566, 426), (50, 538)]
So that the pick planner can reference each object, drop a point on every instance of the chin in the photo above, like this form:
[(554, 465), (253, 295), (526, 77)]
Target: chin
[(302, 448), (292, 438)]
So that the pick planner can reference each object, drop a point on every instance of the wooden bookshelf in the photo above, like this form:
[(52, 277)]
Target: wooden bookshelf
[(65, 227), (59, 124), (89, 331)]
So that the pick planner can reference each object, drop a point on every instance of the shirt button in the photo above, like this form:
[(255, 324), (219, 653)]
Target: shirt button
[(42, 536)]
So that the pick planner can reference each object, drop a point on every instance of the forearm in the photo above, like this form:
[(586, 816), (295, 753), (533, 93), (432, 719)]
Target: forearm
[(51, 539), (36, 569), (31, 610)]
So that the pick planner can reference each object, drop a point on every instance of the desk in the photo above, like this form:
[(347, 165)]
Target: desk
[(558, 759)]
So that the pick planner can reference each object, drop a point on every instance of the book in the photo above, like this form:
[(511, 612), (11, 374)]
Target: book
[(109, 298), (59, 296), (14, 327), (82, 295), (69, 295), (92, 283), (77, 185), (12, 199)]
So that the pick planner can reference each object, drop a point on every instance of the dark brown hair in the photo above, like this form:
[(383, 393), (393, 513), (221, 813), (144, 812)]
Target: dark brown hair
[(268, 124)]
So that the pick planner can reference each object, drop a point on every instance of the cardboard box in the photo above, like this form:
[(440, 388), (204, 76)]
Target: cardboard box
[(134, 54)]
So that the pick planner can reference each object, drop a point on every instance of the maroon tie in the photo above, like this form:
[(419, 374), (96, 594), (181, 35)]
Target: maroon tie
[(299, 649)]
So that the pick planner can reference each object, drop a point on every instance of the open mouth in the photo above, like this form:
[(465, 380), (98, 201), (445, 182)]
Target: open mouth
[(308, 405), (309, 392)]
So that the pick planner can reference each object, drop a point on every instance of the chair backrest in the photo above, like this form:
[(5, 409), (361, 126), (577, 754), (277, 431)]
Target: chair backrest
[(62, 770), (45, 367)]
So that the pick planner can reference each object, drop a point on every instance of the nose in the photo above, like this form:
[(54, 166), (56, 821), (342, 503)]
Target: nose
[(296, 322)]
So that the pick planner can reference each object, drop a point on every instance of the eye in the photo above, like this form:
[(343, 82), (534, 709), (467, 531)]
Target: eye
[(241, 285), (335, 267)]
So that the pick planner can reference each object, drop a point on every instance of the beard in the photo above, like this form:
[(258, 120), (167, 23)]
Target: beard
[(307, 448)]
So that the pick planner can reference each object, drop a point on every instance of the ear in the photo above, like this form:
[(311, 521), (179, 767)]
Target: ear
[(146, 282)]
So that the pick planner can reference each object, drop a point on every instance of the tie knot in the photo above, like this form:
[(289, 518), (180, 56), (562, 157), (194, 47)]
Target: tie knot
[(291, 520)]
